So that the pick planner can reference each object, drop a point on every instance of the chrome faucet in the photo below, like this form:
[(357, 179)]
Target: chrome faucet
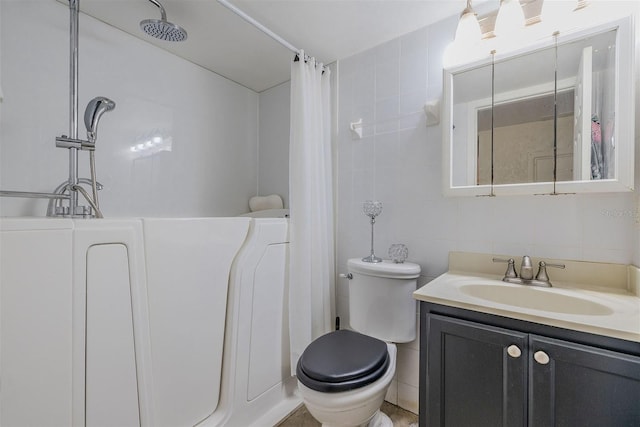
[(526, 272), (526, 269), (55, 208)]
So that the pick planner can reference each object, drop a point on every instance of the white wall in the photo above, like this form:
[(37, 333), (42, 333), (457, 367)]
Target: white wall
[(398, 161), (273, 145), (208, 123)]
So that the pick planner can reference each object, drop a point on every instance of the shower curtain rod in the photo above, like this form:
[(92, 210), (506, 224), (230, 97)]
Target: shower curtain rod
[(262, 28)]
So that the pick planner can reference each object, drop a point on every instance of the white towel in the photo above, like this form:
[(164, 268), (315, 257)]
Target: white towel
[(260, 203)]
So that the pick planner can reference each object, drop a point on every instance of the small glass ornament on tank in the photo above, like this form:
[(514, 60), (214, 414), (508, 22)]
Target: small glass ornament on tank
[(398, 253)]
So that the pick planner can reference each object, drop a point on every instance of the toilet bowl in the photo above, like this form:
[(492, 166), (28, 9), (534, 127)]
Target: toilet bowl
[(343, 376), (356, 407)]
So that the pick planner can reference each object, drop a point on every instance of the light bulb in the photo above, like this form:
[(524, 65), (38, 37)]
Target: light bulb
[(468, 31), (510, 18)]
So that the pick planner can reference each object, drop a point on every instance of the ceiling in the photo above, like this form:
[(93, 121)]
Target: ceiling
[(222, 42)]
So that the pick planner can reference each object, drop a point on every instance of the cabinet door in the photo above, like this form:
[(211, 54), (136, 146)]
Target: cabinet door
[(576, 385), (476, 374)]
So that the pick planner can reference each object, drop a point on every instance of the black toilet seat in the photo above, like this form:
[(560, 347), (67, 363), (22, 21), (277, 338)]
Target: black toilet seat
[(342, 360)]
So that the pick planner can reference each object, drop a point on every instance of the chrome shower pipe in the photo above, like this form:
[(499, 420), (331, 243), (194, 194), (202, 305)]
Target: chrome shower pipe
[(163, 14), (32, 195), (74, 9)]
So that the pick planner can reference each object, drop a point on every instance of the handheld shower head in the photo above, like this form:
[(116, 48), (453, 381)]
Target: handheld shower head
[(95, 109), (161, 28)]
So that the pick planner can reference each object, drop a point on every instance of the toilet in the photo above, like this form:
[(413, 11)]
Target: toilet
[(343, 376)]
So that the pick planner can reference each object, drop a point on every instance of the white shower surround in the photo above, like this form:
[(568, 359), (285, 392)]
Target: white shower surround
[(206, 166), (207, 162)]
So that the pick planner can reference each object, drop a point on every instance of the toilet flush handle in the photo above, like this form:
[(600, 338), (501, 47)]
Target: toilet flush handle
[(346, 276)]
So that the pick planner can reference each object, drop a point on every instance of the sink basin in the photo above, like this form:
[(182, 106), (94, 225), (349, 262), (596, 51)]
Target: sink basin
[(536, 299)]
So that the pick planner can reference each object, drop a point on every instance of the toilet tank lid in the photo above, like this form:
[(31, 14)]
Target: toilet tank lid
[(386, 268)]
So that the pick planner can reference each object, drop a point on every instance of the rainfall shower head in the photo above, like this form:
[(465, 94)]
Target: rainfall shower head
[(162, 29), (95, 109)]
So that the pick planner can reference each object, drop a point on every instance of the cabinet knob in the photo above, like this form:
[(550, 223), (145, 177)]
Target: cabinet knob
[(514, 351), (541, 357)]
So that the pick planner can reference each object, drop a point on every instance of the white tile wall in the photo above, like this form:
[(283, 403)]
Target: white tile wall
[(392, 392), (273, 144), (208, 165), (408, 397), (399, 162)]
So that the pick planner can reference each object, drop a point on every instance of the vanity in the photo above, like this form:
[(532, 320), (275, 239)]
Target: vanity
[(500, 354), (549, 118)]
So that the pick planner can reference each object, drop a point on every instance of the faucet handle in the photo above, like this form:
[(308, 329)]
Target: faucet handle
[(542, 270), (511, 270)]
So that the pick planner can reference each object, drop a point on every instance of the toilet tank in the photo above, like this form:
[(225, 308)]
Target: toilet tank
[(381, 304)]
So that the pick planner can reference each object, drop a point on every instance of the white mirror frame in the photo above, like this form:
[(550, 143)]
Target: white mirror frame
[(624, 121)]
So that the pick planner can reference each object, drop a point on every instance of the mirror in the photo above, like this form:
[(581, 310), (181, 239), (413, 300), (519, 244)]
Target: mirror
[(555, 118), (590, 64), (523, 119), (469, 97)]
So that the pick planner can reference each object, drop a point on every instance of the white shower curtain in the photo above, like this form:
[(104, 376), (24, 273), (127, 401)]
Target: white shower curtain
[(311, 249)]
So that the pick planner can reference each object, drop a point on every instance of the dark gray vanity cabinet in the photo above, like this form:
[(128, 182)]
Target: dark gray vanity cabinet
[(484, 370), (582, 385), (472, 380)]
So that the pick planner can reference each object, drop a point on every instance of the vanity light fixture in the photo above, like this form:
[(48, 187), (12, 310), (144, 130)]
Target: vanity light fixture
[(468, 31), (517, 23), (510, 18)]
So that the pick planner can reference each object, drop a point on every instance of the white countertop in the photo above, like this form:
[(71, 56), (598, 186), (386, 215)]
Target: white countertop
[(616, 313)]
